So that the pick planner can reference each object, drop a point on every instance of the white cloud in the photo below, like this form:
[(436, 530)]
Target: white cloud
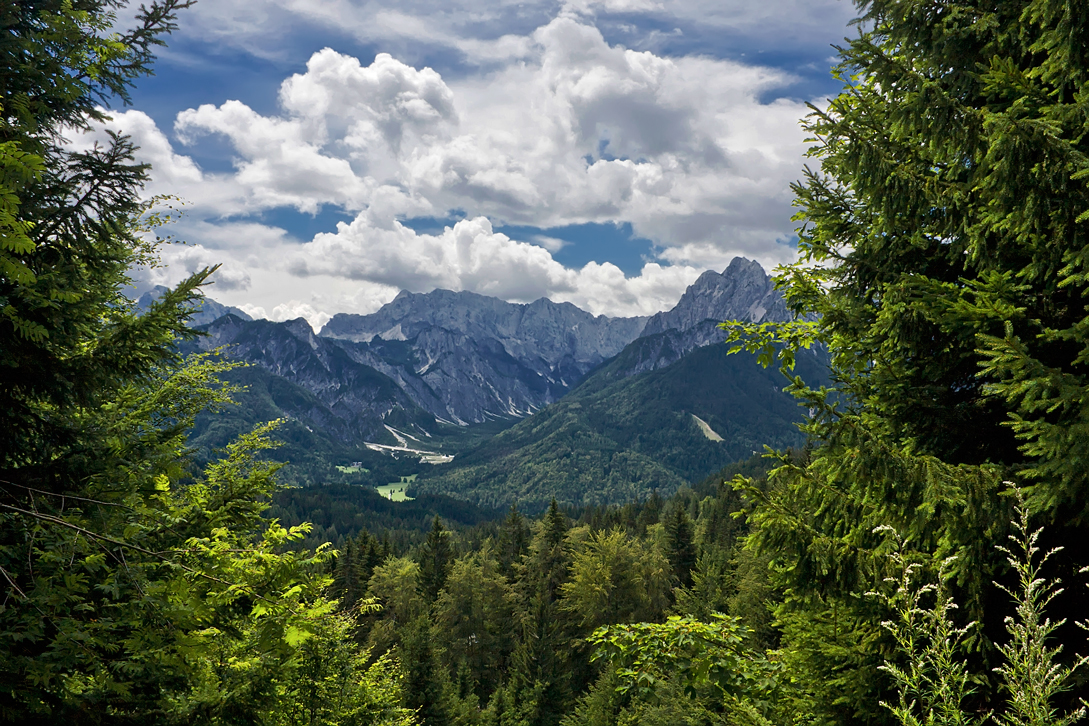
[(294, 309), (472, 256), (565, 129), (182, 260), (681, 148), (551, 244)]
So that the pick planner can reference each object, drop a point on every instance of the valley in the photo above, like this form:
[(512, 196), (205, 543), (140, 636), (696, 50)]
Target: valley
[(502, 404)]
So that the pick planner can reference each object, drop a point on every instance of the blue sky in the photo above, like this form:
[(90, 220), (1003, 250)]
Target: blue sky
[(332, 152)]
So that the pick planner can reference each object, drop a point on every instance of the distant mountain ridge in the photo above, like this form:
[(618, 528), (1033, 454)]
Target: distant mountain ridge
[(743, 291), (468, 358), (356, 400), (672, 407), (544, 329), (426, 365)]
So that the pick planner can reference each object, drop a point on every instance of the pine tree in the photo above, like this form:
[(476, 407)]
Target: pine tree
[(548, 564), (349, 583), (944, 251), (473, 616), (425, 687), (680, 545), (435, 560), (513, 541), (651, 511), (540, 686), (70, 230), (371, 554)]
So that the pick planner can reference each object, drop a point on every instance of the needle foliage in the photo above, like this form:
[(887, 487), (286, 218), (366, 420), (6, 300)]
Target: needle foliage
[(944, 246), (135, 589)]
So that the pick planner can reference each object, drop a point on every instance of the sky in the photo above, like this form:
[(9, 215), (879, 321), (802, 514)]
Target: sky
[(330, 153)]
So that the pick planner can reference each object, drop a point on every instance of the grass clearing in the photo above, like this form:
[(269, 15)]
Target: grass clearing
[(394, 492)]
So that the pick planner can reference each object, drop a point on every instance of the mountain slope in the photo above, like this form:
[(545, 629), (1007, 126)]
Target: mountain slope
[(469, 358), (356, 401), (617, 438), (312, 450), (670, 408)]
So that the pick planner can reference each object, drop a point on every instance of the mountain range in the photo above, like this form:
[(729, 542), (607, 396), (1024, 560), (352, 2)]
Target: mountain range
[(599, 409)]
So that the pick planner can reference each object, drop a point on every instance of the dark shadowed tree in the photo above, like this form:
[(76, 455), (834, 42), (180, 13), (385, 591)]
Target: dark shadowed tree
[(945, 249), (513, 541), (680, 545), (435, 560)]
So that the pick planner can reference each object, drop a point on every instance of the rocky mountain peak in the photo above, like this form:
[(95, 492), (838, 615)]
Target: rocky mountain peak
[(743, 291), (300, 328), (543, 329)]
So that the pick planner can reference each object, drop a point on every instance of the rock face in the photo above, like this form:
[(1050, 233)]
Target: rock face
[(469, 358), (357, 400), (742, 292), (544, 330)]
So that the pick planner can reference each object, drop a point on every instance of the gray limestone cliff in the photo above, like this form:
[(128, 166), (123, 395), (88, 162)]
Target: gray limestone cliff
[(743, 291), (469, 358)]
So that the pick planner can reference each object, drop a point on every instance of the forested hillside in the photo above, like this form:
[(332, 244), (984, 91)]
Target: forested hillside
[(617, 437), (917, 558)]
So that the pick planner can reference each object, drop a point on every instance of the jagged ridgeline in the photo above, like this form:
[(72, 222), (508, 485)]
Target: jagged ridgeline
[(671, 408), (502, 403)]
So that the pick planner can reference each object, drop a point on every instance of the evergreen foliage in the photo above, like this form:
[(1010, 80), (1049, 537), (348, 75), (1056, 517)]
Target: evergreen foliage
[(943, 249), (425, 689), (140, 587), (680, 547), (436, 557), (513, 541)]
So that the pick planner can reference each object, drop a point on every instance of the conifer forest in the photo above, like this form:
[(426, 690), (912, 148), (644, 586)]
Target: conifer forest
[(920, 558)]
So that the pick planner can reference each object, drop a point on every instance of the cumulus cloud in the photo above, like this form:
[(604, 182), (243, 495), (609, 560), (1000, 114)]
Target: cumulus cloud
[(294, 309), (472, 256), (682, 148), (576, 130), (179, 261)]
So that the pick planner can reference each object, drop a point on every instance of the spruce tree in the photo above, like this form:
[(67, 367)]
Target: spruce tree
[(127, 570), (944, 249), (349, 583), (435, 560), (70, 230), (548, 564), (513, 541), (680, 545), (371, 554), (540, 682), (425, 687)]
